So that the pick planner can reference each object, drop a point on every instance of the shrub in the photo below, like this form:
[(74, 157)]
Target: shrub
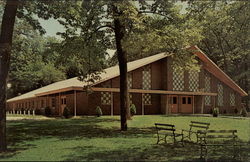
[(132, 109), (215, 112), (66, 112), (236, 111), (47, 111), (98, 111), (38, 112), (225, 111), (244, 112)]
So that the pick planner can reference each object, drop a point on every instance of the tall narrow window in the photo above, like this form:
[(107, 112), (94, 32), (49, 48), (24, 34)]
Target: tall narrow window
[(53, 102), (146, 84), (232, 99), (106, 96), (207, 88), (193, 80), (220, 95), (178, 80), (130, 84)]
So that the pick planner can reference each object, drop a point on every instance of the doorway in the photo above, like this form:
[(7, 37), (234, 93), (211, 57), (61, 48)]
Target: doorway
[(186, 104), (63, 104), (173, 104)]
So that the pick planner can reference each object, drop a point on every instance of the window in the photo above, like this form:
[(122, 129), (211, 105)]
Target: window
[(65, 101), (42, 103), (62, 101), (183, 100), (106, 96), (220, 95), (174, 100), (146, 84), (207, 88), (232, 99), (130, 85), (189, 100), (207, 100), (178, 80), (53, 102), (193, 80)]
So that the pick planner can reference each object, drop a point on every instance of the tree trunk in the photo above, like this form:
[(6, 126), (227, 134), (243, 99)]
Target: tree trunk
[(6, 34), (122, 58)]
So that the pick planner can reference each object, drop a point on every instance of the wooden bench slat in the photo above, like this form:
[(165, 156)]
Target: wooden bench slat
[(170, 125), (169, 129), (221, 136), (221, 131), (198, 126), (200, 123)]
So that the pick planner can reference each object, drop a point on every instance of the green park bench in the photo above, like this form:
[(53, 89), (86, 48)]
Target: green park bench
[(167, 130), (216, 138), (194, 128)]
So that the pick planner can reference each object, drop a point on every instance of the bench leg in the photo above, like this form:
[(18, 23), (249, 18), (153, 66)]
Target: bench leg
[(158, 139)]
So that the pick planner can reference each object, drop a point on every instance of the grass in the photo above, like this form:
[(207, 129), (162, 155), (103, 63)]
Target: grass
[(92, 138)]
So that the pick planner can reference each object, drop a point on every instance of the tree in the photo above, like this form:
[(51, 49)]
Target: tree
[(124, 25), (31, 60), (226, 36), (6, 34)]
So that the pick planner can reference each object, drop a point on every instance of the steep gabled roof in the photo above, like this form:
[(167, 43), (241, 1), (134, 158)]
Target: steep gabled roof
[(107, 74), (210, 66), (113, 72)]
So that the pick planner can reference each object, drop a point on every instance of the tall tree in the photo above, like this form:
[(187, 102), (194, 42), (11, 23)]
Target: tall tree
[(124, 25), (226, 36), (6, 34)]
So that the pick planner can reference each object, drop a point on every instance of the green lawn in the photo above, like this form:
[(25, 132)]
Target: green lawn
[(92, 138)]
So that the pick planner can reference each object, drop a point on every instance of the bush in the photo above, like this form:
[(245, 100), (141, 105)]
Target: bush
[(66, 112), (132, 110), (98, 111), (38, 112), (225, 111), (215, 112), (244, 112), (236, 111), (47, 111)]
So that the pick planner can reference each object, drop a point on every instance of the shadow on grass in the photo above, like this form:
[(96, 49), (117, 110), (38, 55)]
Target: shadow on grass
[(22, 131), (161, 152)]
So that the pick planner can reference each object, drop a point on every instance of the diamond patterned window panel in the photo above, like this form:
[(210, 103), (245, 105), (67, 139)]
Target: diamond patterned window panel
[(232, 99), (129, 81), (220, 95), (207, 82), (146, 84), (106, 96), (207, 100), (130, 99), (146, 78), (193, 81), (147, 99), (178, 80)]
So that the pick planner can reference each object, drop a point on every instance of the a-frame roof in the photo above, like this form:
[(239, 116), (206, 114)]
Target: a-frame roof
[(112, 72), (210, 66)]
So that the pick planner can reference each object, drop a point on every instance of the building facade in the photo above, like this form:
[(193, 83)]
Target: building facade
[(155, 87)]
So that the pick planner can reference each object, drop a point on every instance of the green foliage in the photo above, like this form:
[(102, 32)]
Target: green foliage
[(226, 36), (244, 112), (216, 112), (66, 112), (47, 111), (132, 109), (98, 111)]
